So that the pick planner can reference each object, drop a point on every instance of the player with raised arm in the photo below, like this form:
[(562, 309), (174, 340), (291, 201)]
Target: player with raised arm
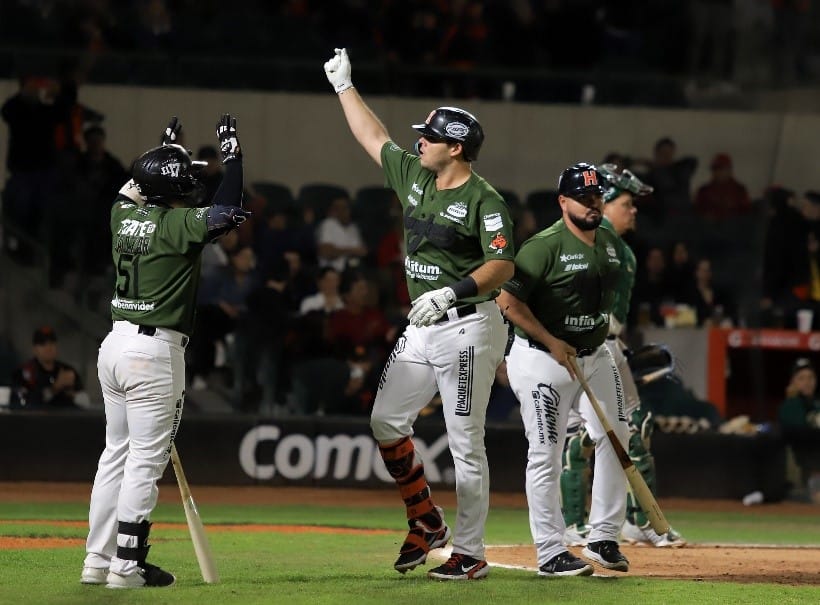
[(157, 242), (458, 234)]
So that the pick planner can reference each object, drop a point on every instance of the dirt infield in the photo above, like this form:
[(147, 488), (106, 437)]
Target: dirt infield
[(794, 566)]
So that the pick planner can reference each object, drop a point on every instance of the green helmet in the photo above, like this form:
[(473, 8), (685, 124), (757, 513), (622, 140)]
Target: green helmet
[(619, 181)]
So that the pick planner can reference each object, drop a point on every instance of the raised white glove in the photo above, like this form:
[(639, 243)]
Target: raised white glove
[(430, 306), (338, 71)]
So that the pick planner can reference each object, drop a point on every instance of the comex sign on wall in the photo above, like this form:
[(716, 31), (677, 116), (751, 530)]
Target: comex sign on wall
[(299, 456)]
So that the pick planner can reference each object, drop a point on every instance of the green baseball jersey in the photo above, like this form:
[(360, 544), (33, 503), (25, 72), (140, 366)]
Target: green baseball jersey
[(449, 233), (626, 277), (156, 252), (567, 284)]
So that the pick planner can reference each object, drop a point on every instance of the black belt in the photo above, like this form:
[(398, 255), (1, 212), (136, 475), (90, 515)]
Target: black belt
[(460, 311), (152, 330), (534, 344)]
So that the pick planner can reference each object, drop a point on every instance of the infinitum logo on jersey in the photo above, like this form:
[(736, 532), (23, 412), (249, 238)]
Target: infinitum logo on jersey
[(579, 323), (417, 270)]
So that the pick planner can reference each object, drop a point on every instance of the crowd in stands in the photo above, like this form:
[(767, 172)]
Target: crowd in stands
[(716, 40)]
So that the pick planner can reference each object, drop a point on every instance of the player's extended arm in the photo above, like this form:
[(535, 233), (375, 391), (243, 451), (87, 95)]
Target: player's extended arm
[(229, 192), (365, 126), (520, 314)]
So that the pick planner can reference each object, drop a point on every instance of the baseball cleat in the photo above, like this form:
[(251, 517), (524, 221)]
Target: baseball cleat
[(146, 576), (94, 575), (460, 567), (420, 540), (607, 554), (633, 534), (576, 535), (565, 564)]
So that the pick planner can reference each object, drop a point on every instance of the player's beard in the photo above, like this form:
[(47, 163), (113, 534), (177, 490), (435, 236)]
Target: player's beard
[(586, 223)]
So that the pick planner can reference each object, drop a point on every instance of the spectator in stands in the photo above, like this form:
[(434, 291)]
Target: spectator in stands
[(791, 257), (390, 255), (711, 49), (652, 289), (327, 299), (99, 176), (681, 272), (339, 242), (723, 196), (713, 305), (32, 116), (260, 343), (44, 382), (361, 323), (218, 317), (671, 178)]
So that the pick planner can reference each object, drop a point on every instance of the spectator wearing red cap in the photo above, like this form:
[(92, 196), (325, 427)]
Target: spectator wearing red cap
[(44, 382), (723, 196)]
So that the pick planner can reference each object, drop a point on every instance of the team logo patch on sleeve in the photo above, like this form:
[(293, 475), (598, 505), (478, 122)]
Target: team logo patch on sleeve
[(493, 222), (498, 243)]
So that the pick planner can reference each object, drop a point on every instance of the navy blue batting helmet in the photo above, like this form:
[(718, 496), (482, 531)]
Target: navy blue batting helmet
[(581, 179), (456, 125)]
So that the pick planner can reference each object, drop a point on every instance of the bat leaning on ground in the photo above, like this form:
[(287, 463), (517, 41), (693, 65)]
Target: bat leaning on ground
[(639, 487), (202, 547)]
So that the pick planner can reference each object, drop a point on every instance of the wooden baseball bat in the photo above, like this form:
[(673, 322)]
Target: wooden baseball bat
[(639, 487), (202, 547)]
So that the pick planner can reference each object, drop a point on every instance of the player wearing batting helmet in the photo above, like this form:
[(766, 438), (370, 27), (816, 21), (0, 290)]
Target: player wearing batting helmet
[(559, 302), (157, 242), (459, 251), (621, 186)]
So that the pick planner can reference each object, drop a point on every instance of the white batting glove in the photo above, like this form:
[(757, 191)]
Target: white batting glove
[(430, 306), (338, 71)]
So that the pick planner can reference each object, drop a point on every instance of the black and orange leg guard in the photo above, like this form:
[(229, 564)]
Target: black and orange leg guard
[(408, 470)]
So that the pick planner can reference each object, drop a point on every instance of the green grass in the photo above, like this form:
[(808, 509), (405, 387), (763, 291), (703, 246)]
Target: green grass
[(274, 567)]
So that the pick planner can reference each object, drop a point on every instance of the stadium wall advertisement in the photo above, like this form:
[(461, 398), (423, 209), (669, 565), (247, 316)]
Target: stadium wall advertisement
[(340, 452)]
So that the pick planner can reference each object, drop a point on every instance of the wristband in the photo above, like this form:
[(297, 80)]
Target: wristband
[(465, 288)]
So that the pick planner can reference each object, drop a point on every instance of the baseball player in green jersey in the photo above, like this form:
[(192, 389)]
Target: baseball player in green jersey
[(157, 242), (559, 301), (619, 218), (458, 236)]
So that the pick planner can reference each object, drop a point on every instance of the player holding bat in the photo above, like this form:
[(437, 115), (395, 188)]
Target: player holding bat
[(158, 238), (559, 301)]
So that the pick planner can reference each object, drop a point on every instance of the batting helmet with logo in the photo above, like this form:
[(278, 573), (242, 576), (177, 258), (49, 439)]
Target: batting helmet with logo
[(580, 179), (167, 173), (456, 125)]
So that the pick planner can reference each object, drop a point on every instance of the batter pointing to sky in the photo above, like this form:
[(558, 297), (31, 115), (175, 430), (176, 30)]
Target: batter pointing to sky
[(458, 236), (157, 242)]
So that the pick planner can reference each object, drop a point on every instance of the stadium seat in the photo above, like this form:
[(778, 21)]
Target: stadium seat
[(544, 204), (276, 195), (319, 196)]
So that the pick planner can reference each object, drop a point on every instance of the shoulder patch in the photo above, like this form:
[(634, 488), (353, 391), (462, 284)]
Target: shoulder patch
[(493, 222), (498, 243)]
